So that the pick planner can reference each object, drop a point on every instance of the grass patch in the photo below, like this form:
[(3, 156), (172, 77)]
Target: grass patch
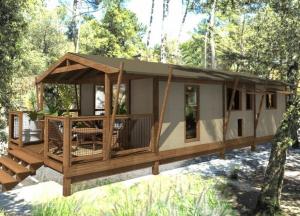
[(160, 195)]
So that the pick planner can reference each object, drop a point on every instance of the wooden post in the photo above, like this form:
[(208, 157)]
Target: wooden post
[(20, 115), (258, 114), (46, 137), (67, 187), (107, 112), (155, 168), (164, 105), (222, 153), (77, 100), (236, 82), (66, 156), (10, 129), (253, 146), (155, 110), (113, 118)]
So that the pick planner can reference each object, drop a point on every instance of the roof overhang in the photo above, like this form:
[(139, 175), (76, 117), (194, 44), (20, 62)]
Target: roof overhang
[(73, 66)]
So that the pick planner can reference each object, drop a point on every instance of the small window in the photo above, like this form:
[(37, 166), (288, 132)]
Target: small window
[(271, 101), (99, 99), (249, 101), (240, 127), (237, 99)]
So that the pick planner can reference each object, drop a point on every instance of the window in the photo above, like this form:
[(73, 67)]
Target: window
[(237, 99), (240, 127), (123, 99), (249, 101), (191, 113), (271, 101), (99, 99)]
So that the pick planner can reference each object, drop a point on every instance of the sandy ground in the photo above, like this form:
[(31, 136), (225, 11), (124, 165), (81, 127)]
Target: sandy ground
[(242, 192)]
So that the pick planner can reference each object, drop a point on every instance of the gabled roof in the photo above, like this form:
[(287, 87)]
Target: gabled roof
[(82, 65)]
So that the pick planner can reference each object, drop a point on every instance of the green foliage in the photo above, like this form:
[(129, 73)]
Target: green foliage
[(162, 195), (59, 99), (44, 40), (12, 24), (118, 35)]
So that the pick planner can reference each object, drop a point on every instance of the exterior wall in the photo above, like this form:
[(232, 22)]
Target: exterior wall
[(211, 116), (247, 117), (172, 133), (269, 119), (211, 113), (141, 96), (87, 99)]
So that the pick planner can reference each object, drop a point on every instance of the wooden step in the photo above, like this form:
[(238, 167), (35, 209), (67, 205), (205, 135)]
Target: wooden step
[(21, 171), (23, 156), (7, 181)]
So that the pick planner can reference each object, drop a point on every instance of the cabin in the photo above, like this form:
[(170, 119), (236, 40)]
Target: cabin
[(133, 114)]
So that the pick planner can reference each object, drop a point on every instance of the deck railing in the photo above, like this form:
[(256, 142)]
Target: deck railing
[(132, 133), (24, 131), (72, 140)]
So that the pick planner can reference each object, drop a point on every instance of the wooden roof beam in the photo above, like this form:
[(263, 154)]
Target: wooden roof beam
[(69, 68)]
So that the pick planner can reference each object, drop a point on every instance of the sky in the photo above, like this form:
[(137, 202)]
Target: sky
[(142, 9)]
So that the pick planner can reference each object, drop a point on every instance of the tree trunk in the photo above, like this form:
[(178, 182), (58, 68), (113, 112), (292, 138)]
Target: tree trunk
[(75, 18), (163, 51), (269, 199), (212, 35), (150, 23)]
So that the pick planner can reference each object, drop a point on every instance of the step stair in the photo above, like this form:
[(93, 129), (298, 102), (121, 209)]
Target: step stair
[(7, 181), (16, 166), (26, 159)]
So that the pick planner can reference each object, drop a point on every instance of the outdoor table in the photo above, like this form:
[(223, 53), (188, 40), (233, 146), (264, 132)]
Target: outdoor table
[(87, 132)]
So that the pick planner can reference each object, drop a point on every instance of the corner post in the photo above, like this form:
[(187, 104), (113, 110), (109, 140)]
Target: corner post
[(107, 112), (66, 156), (115, 107), (227, 118), (253, 146), (155, 167), (20, 116), (222, 153)]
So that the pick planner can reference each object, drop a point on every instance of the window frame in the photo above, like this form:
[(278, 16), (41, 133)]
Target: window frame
[(197, 138), (251, 101), (127, 93), (240, 95), (275, 101)]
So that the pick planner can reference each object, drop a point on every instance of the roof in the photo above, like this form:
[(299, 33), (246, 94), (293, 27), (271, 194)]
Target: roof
[(138, 67)]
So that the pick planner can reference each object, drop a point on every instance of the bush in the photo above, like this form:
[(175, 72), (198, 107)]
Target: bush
[(160, 195)]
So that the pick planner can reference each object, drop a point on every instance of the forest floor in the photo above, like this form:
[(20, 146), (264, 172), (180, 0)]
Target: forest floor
[(246, 177), (242, 171)]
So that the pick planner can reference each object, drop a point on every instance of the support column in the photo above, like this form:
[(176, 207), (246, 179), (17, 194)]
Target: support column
[(67, 187), (227, 118), (115, 107), (155, 167), (66, 156), (253, 146), (222, 153), (107, 112)]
